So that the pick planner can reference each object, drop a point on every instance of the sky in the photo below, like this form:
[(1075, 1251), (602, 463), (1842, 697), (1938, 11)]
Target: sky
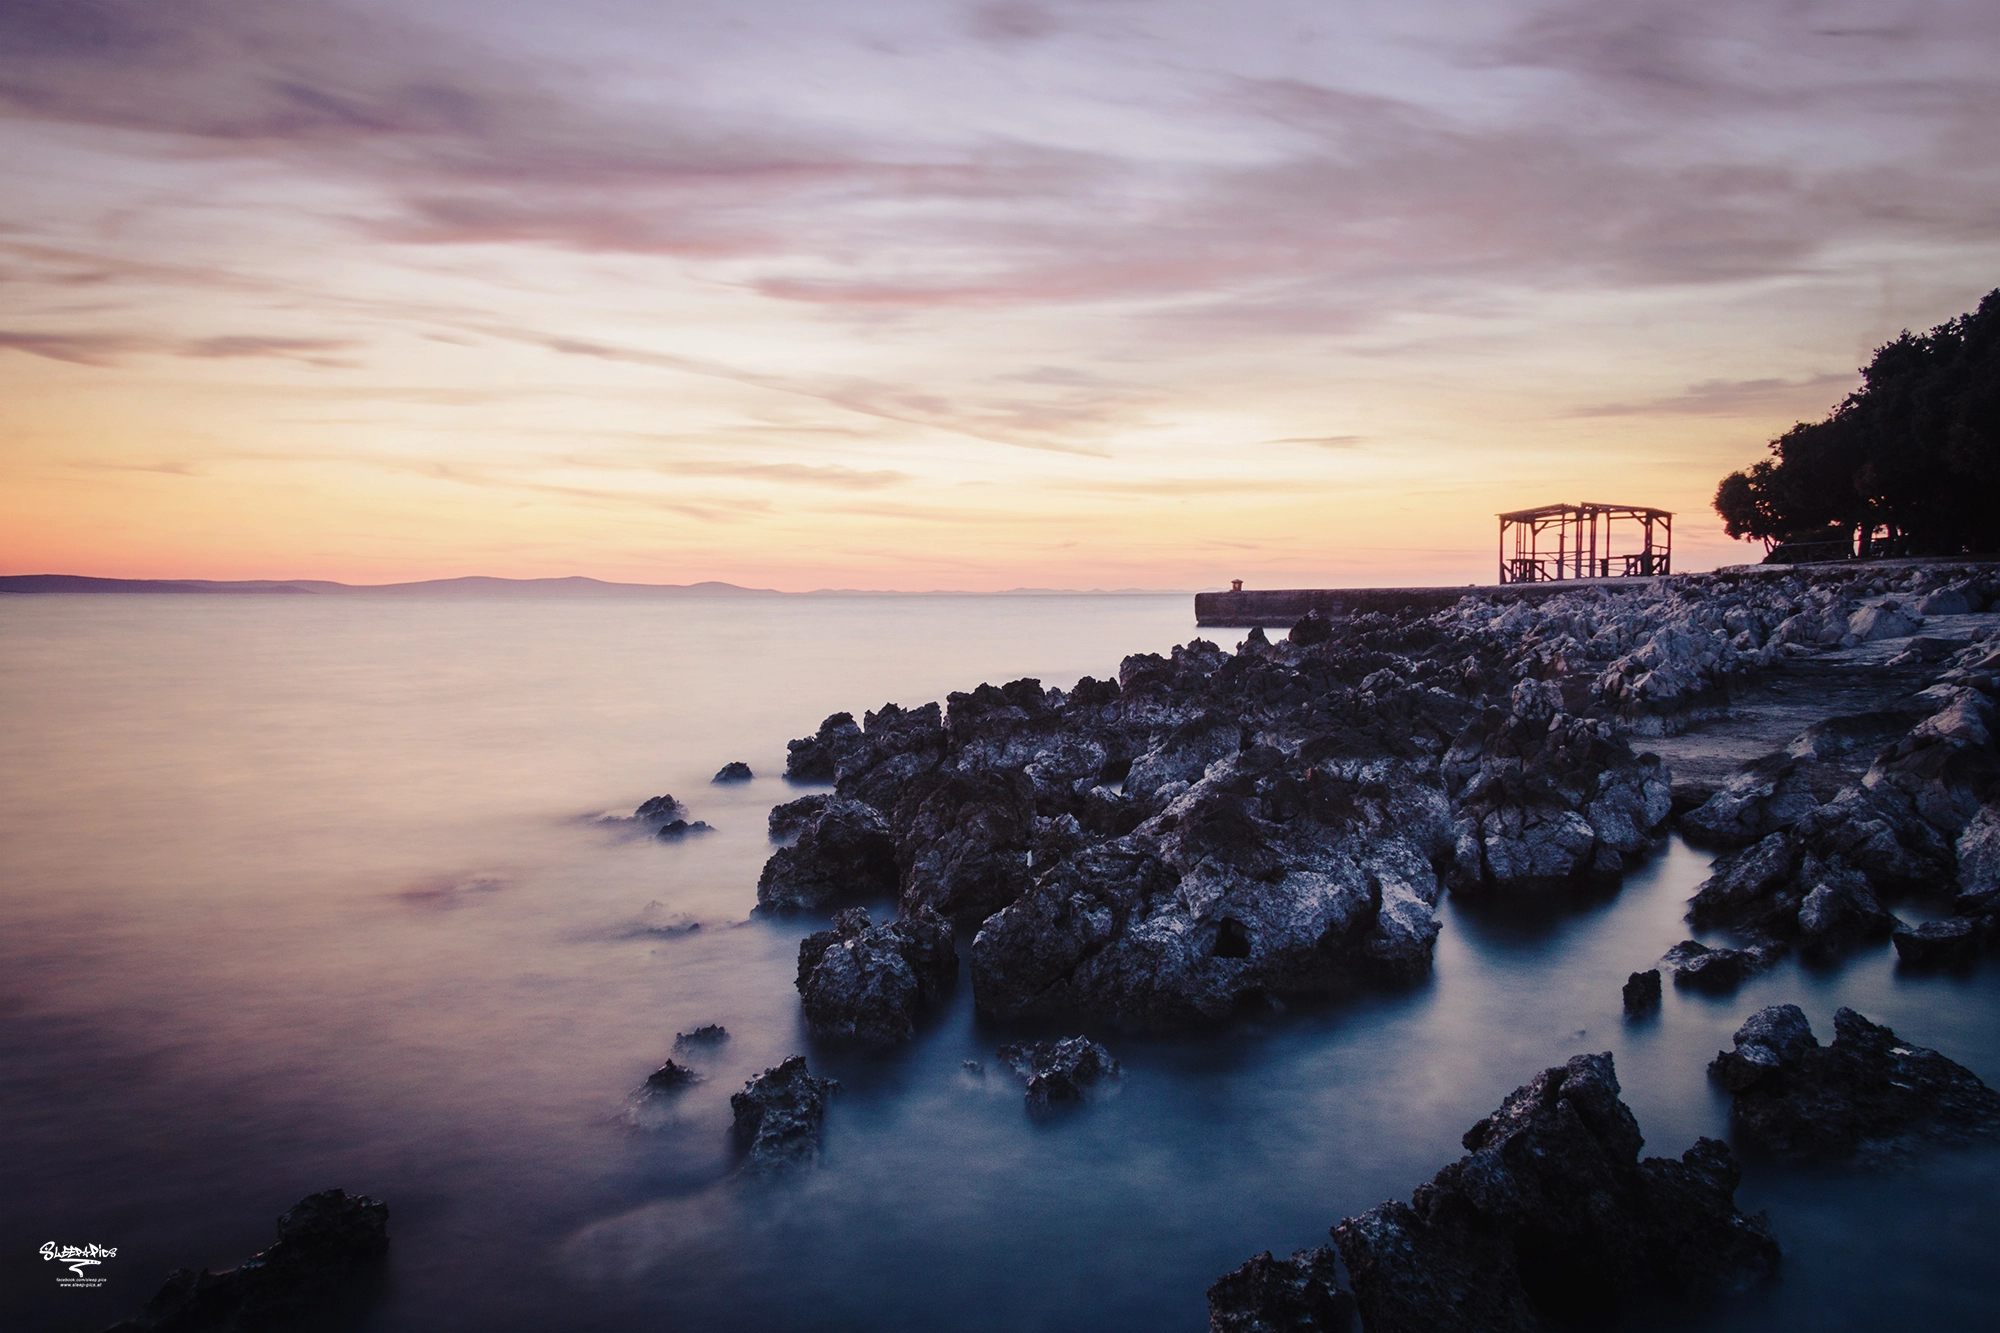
[(1090, 294)]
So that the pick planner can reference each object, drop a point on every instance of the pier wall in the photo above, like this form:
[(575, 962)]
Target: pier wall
[(1284, 606)]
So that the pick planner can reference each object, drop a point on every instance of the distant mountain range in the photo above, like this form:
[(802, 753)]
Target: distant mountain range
[(475, 586)]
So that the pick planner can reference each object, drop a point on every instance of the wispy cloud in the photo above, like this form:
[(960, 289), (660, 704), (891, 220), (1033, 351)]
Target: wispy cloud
[(1732, 398)]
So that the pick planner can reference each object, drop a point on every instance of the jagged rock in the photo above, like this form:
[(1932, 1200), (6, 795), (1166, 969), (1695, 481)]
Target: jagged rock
[(790, 819), (324, 1242), (1978, 855), (1883, 621), (1944, 602), (868, 983), (899, 746), (1951, 941), (1718, 971), (1868, 1092), (671, 1077), (659, 810), (1839, 910), (843, 851), (1312, 628), (1552, 1217), (778, 1115), (963, 840), (707, 1035), (1301, 1294), (1215, 901), (1059, 1071), (1642, 993), (1771, 796), (680, 828), (734, 771), (1213, 830), (818, 758)]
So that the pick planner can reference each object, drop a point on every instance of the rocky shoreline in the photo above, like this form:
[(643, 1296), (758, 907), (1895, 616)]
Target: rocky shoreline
[(1213, 830), (1216, 830)]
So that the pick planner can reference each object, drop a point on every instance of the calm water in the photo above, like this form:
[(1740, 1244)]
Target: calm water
[(298, 893)]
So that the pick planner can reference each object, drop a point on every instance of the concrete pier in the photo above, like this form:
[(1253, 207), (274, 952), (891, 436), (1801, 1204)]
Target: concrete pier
[(1284, 606)]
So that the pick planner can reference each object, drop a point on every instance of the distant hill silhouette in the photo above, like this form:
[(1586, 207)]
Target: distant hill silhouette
[(473, 586)]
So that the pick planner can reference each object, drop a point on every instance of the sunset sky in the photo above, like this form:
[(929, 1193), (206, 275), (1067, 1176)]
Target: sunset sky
[(1108, 293)]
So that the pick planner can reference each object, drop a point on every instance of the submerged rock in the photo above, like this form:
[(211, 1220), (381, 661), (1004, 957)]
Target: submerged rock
[(779, 1115), (1059, 1071), (325, 1242), (1301, 1294), (680, 828), (1642, 993), (1868, 1092), (707, 1035), (1552, 1217), (867, 983), (659, 810), (734, 771), (671, 1077)]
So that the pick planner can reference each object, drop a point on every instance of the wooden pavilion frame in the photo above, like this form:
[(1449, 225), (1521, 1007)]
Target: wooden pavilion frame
[(1583, 543)]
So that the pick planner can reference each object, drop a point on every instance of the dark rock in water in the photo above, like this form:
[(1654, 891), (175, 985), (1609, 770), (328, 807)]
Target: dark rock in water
[(791, 818), (1312, 628), (844, 851), (1301, 1294), (1951, 941), (708, 1035), (1642, 993), (779, 1114), (964, 841), (1718, 971), (659, 810), (1059, 1071), (817, 758), (868, 983), (734, 771), (671, 1077), (1552, 1217), (680, 828), (1868, 1092), (324, 1242)]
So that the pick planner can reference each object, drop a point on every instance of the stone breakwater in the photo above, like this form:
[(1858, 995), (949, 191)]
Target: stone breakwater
[(1216, 828)]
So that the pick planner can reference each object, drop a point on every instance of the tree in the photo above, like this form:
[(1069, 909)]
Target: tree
[(1908, 463)]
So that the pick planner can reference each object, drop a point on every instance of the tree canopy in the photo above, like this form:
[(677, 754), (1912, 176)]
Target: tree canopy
[(1909, 463)]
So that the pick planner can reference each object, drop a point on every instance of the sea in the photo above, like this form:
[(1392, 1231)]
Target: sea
[(302, 892)]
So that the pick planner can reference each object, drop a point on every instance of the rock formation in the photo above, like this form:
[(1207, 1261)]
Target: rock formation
[(1301, 1294), (1211, 830), (324, 1243), (659, 810), (1550, 1219), (1059, 1071), (1642, 993), (868, 983), (1869, 1092), (779, 1114), (843, 851), (671, 1077)]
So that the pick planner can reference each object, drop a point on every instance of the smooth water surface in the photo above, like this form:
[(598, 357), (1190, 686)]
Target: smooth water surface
[(298, 892)]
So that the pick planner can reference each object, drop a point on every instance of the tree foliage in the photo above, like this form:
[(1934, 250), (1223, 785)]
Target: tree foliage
[(1909, 463)]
